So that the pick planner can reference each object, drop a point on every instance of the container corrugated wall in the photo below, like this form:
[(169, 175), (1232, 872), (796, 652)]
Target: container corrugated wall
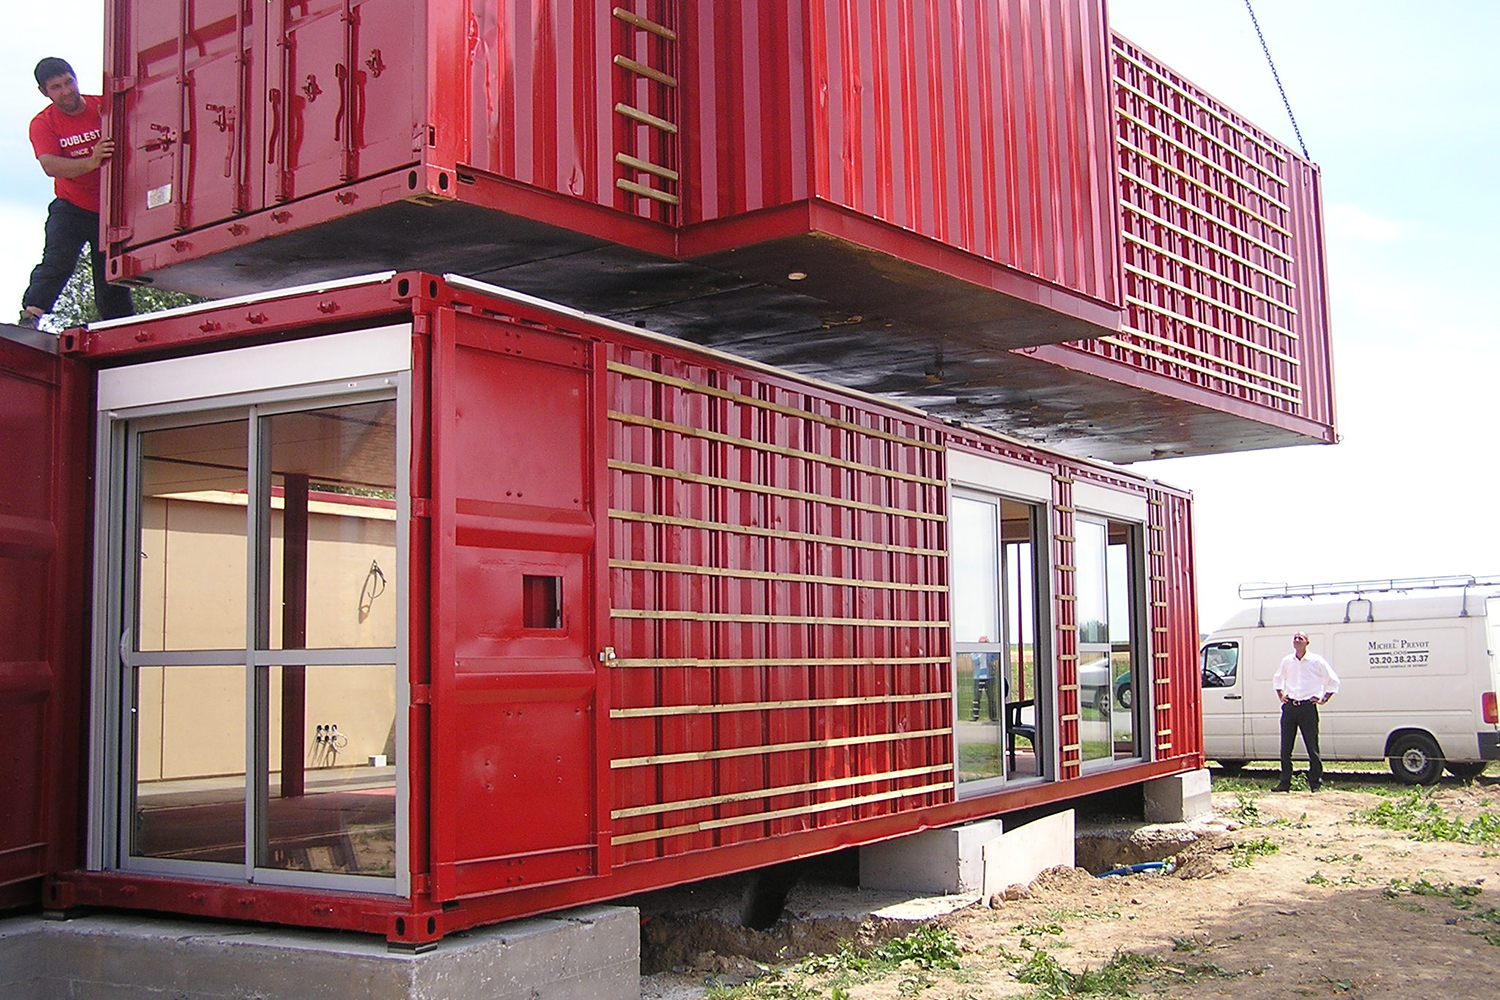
[(1223, 252), (779, 608), (983, 126), (41, 612)]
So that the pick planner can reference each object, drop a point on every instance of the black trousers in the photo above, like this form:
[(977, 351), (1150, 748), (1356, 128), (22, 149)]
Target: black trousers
[(68, 229), (985, 688), (1302, 718)]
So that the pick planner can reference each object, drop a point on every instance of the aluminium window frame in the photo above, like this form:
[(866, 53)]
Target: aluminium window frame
[(358, 366)]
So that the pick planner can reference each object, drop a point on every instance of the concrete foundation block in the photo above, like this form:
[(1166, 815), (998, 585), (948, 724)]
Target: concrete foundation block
[(950, 860), (20, 959), (593, 952), (1020, 855), (1179, 798)]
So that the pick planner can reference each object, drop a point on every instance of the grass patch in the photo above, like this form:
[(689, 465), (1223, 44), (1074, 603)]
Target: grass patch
[(1420, 818), (1242, 854), (1122, 976), (1116, 978)]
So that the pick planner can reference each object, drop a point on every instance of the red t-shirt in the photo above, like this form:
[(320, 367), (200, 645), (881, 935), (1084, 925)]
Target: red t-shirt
[(55, 132)]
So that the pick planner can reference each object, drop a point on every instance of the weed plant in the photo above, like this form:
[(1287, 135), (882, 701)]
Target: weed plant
[(1421, 818)]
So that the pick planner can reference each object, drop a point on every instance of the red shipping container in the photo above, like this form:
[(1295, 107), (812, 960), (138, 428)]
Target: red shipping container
[(423, 605), (887, 196)]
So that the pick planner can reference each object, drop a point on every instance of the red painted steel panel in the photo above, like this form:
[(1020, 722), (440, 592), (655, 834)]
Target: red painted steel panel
[(980, 125), (983, 126), (514, 714), (42, 437)]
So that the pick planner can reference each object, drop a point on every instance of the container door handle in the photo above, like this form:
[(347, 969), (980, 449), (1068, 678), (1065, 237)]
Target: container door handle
[(338, 119), (275, 124)]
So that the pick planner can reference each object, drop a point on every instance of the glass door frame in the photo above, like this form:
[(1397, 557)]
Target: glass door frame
[(113, 756), (1140, 643), (1043, 710)]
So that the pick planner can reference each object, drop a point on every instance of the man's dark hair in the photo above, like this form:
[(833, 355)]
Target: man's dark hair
[(51, 68)]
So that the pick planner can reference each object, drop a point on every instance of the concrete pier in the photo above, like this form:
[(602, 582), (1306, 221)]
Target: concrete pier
[(591, 953)]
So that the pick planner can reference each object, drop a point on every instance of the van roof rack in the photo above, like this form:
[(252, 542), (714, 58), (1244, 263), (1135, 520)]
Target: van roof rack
[(1263, 591)]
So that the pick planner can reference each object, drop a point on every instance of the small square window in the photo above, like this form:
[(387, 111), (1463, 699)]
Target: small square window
[(541, 601)]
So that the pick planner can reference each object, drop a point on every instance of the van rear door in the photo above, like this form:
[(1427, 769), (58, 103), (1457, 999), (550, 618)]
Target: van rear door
[(1223, 699)]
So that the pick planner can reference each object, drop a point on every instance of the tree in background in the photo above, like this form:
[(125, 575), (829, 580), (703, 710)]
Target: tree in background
[(75, 306)]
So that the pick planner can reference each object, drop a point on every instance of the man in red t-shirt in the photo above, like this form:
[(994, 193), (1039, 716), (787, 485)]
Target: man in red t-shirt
[(70, 146)]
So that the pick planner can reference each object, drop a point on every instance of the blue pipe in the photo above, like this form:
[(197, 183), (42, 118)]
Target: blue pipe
[(1144, 866)]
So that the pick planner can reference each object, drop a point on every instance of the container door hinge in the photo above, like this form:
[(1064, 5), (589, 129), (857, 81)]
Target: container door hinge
[(421, 694), (118, 234), (118, 84)]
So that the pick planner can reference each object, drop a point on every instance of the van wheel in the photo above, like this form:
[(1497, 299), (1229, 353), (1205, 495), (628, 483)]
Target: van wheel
[(1232, 767), (1416, 759), (1466, 770)]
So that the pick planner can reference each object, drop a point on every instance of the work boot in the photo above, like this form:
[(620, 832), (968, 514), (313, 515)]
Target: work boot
[(29, 319)]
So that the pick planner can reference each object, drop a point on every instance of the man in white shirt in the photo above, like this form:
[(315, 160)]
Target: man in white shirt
[(1303, 682)]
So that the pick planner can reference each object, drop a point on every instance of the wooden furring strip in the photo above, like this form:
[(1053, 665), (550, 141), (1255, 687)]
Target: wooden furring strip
[(646, 166), (775, 491), (774, 449), (695, 756), (630, 17), (665, 711), (646, 191), (791, 411), (769, 793), (649, 72), (716, 616), (665, 663), (811, 809), (752, 574), (667, 520)]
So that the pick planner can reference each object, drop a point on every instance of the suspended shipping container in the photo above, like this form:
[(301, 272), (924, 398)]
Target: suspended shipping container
[(900, 200)]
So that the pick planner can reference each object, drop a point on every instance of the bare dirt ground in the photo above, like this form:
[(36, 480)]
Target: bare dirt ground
[(1286, 895)]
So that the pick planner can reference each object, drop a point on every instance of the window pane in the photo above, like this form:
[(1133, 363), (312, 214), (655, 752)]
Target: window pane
[(975, 566), (190, 764), (332, 546), (190, 538), (1093, 595), (978, 715), (330, 775), (1125, 679)]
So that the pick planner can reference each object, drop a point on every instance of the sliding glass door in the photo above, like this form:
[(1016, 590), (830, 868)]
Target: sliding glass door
[(252, 637)]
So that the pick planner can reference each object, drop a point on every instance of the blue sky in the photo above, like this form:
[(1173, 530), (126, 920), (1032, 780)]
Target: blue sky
[(1399, 104)]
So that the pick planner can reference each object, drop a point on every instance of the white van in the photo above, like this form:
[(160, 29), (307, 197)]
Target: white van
[(1418, 671)]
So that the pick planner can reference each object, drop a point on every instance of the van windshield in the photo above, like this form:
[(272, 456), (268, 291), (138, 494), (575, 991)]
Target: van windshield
[(1221, 662)]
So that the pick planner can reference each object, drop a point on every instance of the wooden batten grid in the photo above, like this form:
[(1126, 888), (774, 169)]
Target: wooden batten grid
[(763, 449)]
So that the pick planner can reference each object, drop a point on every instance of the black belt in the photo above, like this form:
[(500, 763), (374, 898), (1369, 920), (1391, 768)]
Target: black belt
[(1304, 701)]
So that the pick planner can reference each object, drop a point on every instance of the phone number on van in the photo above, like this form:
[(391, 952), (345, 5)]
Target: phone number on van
[(1398, 659)]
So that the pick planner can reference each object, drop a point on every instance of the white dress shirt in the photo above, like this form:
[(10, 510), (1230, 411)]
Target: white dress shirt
[(1309, 677)]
